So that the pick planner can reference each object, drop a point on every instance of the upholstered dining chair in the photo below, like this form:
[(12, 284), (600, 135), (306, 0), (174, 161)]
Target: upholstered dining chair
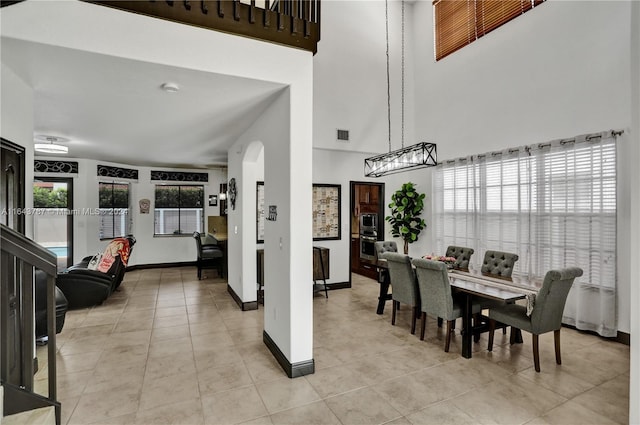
[(383, 247), (462, 256), (436, 298), (546, 315), (498, 263), (209, 254), (405, 287)]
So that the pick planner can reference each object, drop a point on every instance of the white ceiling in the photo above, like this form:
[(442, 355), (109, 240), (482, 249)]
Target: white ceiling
[(113, 109)]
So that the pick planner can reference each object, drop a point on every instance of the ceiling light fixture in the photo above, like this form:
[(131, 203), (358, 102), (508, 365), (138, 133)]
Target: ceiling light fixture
[(170, 87), (51, 146), (415, 156)]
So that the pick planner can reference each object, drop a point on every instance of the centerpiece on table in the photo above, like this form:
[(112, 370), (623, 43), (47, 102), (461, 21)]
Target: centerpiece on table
[(449, 261)]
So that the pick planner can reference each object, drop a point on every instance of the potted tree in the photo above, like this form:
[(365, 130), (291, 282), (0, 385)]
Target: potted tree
[(406, 207)]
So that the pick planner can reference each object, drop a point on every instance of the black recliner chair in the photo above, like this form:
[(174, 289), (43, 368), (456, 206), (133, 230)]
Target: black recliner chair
[(41, 307), (84, 287)]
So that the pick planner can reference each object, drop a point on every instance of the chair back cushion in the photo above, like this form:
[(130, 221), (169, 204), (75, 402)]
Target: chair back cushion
[(196, 236), (498, 263), (118, 247), (547, 312), (435, 290), (462, 256), (403, 278), (383, 247)]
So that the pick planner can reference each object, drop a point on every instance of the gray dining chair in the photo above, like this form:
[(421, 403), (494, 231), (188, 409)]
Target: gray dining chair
[(405, 287), (498, 263), (546, 315), (436, 298), (462, 256), (383, 247)]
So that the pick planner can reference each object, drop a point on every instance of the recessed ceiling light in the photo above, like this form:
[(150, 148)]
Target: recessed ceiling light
[(170, 87), (50, 144)]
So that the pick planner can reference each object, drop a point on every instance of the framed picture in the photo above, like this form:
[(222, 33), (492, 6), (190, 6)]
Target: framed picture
[(213, 200), (260, 211), (326, 212)]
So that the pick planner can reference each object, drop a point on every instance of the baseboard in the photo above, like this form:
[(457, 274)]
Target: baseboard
[(244, 306), (161, 265), (338, 285), (621, 337), (293, 370)]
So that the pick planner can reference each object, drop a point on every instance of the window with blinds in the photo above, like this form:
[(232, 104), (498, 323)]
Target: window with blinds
[(552, 204), (179, 210), (113, 209), (460, 22)]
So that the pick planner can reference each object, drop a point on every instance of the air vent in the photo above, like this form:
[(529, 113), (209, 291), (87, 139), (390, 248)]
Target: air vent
[(343, 135)]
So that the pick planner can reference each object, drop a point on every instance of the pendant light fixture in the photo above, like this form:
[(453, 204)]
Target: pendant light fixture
[(50, 144), (415, 156)]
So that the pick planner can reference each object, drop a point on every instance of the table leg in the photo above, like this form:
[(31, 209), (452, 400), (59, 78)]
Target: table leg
[(467, 329), (516, 336), (384, 291)]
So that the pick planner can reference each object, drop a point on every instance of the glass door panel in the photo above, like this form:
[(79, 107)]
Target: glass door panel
[(53, 217)]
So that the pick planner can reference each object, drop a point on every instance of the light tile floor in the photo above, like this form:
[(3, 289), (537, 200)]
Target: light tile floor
[(169, 349)]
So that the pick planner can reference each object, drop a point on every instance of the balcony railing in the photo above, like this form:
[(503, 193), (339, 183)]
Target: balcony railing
[(294, 23)]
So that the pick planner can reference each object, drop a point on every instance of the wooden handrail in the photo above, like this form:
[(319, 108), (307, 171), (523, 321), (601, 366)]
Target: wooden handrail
[(297, 21)]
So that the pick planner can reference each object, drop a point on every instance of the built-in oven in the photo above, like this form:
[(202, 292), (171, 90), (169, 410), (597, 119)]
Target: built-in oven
[(368, 247), (368, 224)]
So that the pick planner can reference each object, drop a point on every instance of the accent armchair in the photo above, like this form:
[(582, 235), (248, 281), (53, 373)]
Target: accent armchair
[(546, 315)]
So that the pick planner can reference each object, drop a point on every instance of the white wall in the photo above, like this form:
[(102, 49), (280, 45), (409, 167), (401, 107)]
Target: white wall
[(287, 242), (350, 81)]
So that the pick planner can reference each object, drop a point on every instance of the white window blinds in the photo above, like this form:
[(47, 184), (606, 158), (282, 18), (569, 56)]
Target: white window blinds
[(553, 204)]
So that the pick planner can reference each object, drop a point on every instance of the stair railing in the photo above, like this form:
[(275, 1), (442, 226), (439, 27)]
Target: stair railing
[(20, 257)]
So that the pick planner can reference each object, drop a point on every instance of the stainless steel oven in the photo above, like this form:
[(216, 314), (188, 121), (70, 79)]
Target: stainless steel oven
[(368, 247), (368, 224)]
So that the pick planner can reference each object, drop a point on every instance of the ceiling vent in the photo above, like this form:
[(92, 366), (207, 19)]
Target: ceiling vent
[(342, 135)]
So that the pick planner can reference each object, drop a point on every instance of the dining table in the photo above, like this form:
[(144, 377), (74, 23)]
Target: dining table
[(470, 283)]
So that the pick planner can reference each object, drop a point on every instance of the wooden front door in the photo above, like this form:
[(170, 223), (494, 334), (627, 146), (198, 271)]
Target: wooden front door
[(12, 187), (11, 215)]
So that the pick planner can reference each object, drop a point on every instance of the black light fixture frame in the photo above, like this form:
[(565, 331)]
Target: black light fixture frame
[(415, 156)]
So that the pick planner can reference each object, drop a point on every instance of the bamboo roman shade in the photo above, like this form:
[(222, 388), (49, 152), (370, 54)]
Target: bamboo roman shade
[(460, 22)]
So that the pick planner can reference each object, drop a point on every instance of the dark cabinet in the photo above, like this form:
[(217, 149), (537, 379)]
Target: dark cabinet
[(368, 198), (355, 254)]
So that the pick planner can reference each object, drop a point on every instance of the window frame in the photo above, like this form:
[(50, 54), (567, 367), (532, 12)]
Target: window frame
[(128, 224), (456, 26), (178, 232)]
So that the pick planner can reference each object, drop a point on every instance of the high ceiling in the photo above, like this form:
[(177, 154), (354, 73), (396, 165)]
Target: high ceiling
[(114, 109)]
